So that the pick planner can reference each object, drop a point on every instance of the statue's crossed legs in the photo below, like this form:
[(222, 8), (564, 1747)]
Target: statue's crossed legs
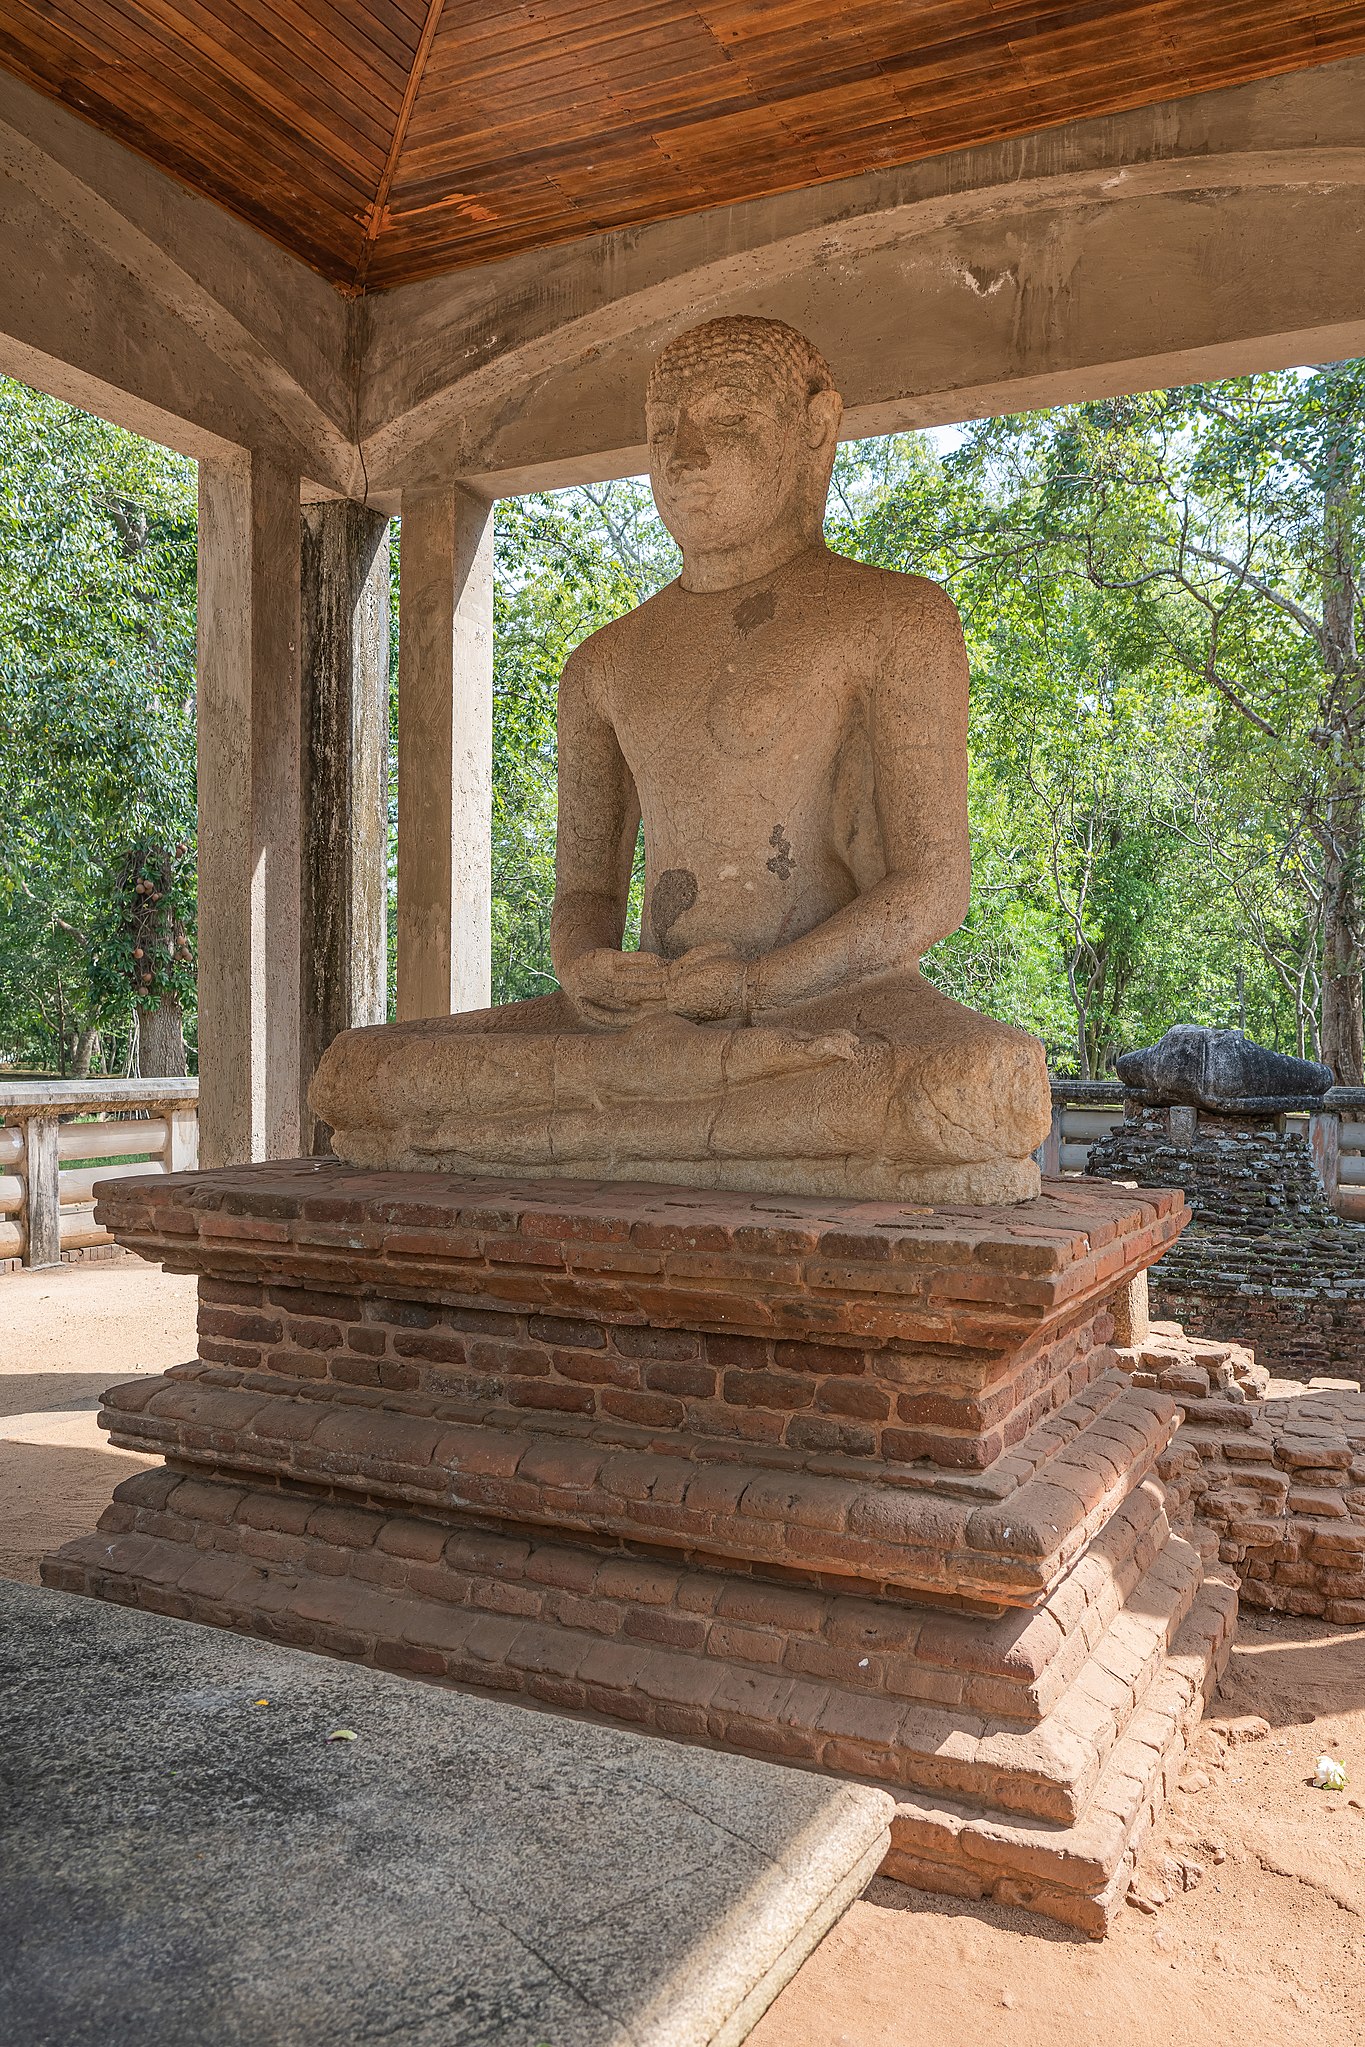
[(888, 1089)]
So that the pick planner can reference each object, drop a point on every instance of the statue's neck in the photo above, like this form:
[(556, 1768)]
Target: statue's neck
[(729, 568)]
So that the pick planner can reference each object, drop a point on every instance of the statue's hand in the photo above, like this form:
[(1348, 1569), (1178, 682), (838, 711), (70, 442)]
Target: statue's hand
[(609, 987), (707, 984)]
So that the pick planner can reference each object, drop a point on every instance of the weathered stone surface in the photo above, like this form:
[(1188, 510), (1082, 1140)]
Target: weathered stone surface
[(1019, 1711), (805, 833), (1221, 1070), (973, 1286), (181, 1866)]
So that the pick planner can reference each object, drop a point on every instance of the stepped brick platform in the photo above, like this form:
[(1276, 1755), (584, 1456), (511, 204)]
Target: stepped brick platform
[(850, 1484)]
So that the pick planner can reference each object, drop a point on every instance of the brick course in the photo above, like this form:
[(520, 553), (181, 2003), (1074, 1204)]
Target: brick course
[(1266, 1259), (1277, 1482)]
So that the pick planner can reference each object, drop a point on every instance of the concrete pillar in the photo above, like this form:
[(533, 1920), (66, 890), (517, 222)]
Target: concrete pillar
[(445, 747), (1324, 1141), (249, 709), (345, 621)]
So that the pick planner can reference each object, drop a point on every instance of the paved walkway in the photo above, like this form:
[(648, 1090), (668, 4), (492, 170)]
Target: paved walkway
[(187, 1859)]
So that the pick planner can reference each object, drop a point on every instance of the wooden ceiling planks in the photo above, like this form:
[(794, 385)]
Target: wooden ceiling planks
[(387, 140)]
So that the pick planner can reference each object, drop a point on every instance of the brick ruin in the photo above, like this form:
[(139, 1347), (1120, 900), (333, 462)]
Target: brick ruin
[(1266, 1258), (848, 1484), (1273, 1476)]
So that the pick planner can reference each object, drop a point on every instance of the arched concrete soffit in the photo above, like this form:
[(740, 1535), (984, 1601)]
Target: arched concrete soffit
[(1209, 237), (129, 295)]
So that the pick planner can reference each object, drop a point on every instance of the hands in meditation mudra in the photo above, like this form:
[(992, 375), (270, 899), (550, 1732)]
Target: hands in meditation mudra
[(792, 727)]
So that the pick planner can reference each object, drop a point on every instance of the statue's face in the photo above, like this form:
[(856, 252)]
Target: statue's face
[(730, 452)]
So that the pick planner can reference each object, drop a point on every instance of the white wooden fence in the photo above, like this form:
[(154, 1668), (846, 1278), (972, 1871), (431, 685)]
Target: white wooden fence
[(1083, 1111), (52, 1130)]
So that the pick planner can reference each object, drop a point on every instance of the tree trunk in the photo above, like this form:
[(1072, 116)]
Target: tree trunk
[(1343, 1020), (1343, 1024), (161, 1040), (87, 1046)]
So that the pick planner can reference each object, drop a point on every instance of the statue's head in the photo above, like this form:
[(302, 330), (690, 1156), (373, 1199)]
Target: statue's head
[(743, 421)]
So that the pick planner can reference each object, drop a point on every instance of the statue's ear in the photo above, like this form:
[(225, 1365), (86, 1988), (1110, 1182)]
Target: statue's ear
[(824, 411)]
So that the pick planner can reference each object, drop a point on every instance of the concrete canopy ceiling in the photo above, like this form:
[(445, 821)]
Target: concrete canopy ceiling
[(384, 141)]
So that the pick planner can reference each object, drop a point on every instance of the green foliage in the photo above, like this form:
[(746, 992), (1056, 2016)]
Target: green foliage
[(1161, 596), (97, 611), (566, 565)]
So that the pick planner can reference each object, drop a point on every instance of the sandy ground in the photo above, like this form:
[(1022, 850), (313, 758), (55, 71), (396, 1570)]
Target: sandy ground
[(65, 1335), (1267, 1947), (1267, 1951)]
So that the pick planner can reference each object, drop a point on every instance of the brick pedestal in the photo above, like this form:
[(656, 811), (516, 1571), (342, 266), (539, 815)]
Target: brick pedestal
[(850, 1484)]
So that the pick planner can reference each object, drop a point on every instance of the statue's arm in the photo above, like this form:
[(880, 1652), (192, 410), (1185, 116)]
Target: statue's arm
[(599, 818), (917, 722)]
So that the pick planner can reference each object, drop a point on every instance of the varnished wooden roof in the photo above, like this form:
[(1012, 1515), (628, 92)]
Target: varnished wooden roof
[(387, 140)]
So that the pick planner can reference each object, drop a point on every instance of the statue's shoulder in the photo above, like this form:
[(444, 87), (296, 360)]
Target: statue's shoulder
[(611, 640), (900, 601), (611, 651)]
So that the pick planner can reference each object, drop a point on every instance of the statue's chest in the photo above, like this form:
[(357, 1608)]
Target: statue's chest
[(763, 696)]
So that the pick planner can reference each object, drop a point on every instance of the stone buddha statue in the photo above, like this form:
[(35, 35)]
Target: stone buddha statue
[(791, 728)]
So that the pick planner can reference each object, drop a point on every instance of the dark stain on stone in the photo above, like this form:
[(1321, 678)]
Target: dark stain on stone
[(674, 892), (755, 610), (782, 861)]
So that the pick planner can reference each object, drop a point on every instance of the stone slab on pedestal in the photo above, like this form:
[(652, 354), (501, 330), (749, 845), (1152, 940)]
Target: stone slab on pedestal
[(182, 1865), (852, 1484)]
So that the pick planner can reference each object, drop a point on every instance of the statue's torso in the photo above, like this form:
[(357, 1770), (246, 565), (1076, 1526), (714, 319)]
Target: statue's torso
[(743, 716)]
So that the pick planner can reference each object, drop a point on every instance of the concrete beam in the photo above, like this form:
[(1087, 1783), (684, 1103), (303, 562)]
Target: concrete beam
[(1217, 234), (345, 607), (445, 746), (129, 295), (249, 754), (1208, 237)]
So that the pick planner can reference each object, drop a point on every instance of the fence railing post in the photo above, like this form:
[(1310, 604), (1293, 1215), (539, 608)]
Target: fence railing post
[(42, 1193), (182, 1141), (1324, 1141)]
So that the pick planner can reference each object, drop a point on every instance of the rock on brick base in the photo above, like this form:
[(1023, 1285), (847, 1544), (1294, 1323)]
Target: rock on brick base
[(850, 1484)]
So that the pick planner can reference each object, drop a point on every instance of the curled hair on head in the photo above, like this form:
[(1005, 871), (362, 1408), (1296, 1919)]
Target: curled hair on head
[(770, 342)]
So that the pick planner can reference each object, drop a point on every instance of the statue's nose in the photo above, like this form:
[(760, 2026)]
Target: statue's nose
[(689, 446)]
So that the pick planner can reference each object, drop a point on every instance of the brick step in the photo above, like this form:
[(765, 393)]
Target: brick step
[(664, 1489), (1077, 1874), (631, 1639), (1013, 1666)]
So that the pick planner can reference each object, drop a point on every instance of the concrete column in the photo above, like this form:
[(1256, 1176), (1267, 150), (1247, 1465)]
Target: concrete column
[(249, 711), (345, 612), (445, 748)]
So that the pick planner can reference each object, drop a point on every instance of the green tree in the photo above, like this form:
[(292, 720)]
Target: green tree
[(1223, 524), (566, 564), (97, 613)]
